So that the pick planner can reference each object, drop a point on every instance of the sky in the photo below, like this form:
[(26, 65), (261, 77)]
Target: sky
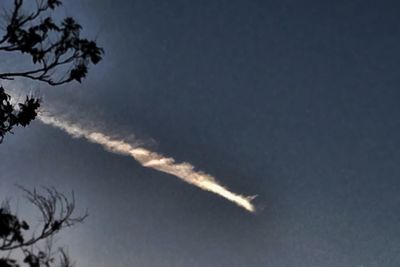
[(295, 102)]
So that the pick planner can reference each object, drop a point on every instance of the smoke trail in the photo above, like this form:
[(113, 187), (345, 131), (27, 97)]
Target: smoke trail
[(149, 159)]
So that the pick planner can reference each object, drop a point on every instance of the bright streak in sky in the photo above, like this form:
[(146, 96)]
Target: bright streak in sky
[(184, 171)]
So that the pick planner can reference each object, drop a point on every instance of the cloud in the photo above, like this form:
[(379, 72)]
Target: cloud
[(149, 159)]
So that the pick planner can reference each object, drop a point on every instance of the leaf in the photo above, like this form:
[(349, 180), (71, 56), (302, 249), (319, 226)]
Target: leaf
[(25, 225)]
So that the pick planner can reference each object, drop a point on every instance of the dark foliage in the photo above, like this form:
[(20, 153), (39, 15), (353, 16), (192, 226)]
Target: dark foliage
[(56, 212), (11, 116), (58, 53)]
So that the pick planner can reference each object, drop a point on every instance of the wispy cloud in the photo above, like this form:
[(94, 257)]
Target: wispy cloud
[(184, 171)]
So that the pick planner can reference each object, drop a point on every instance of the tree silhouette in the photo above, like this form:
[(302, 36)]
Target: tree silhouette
[(56, 211), (58, 54)]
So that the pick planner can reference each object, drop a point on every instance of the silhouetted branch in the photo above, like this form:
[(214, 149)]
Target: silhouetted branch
[(56, 211), (11, 115), (29, 35), (59, 55), (65, 260)]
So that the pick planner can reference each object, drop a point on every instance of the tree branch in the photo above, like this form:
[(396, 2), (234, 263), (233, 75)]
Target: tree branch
[(57, 212)]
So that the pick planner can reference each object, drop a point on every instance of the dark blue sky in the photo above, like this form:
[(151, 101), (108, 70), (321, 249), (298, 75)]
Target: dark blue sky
[(297, 102)]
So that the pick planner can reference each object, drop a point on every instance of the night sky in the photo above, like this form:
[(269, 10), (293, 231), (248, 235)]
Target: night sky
[(294, 101)]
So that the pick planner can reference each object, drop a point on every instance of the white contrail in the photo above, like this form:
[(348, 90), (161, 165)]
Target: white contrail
[(149, 159)]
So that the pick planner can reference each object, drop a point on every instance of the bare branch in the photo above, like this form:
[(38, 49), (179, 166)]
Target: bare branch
[(56, 210)]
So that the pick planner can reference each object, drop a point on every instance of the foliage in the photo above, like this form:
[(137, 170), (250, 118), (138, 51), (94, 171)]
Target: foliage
[(11, 116), (58, 53), (57, 213)]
